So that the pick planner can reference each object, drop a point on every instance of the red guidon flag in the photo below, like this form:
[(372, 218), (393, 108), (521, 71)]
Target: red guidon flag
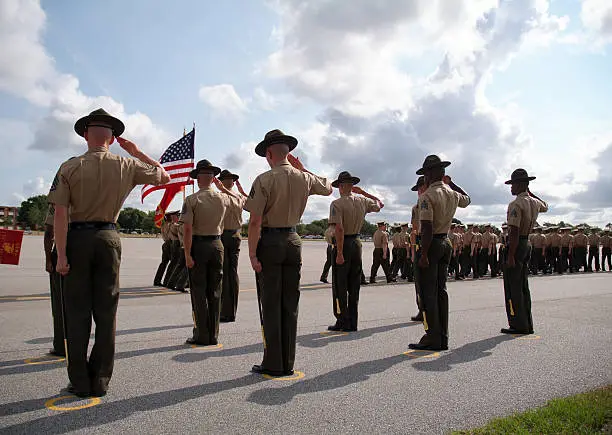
[(177, 160), (10, 246)]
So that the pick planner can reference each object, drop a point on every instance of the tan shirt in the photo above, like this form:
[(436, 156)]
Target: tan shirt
[(405, 239), (476, 239), (566, 240), (397, 241), (594, 240), (233, 212), (205, 210), (523, 212), (165, 231), (330, 233), (488, 240), (537, 241), (438, 205), (96, 184), (350, 211), (173, 231), (555, 240), (180, 232), (467, 238), (605, 241), (580, 241), (50, 215), (414, 220), (380, 239), (280, 195)]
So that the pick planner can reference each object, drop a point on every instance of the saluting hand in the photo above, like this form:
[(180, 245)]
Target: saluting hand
[(446, 179), (189, 261), (127, 145), (62, 265), (217, 183), (255, 264), (295, 162)]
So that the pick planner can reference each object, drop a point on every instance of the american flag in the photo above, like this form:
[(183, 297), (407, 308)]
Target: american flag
[(177, 160)]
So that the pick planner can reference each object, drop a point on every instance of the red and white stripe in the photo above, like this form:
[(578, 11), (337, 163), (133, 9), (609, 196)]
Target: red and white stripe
[(179, 176)]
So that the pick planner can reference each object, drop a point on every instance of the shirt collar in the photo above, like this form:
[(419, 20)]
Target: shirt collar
[(522, 194), (436, 183), (101, 149)]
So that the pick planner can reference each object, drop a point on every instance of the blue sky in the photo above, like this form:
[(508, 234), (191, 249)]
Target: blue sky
[(551, 88)]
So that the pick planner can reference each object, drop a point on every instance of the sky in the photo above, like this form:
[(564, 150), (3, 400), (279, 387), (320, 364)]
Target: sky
[(368, 86)]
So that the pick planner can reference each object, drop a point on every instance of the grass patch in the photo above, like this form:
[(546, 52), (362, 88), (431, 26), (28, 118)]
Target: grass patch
[(584, 413)]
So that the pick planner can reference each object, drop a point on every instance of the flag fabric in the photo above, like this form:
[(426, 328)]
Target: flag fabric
[(169, 195), (177, 160), (10, 246)]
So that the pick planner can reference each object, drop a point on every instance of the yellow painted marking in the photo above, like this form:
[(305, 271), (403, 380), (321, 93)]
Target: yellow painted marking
[(203, 347), (526, 337), (263, 337), (331, 334), (296, 375), (415, 353), (511, 307), (337, 306), (425, 325), (30, 298), (193, 317), (50, 404), (43, 360)]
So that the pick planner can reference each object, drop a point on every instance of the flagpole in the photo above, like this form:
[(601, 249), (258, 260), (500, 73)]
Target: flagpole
[(183, 189), (193, 182)]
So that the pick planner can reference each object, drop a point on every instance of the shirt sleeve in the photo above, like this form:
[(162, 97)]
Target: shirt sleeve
[(371, 205), (464, 200), (258, 198), (146, 174), (50, 215), (543, 207), (59, 194), (514, 215), (186, 213), (426, 212), (335, 217), (319, 186)]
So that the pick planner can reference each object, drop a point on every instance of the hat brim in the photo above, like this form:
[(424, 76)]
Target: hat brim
[(520, 180), (232, 176), (442, 164), (194, 173), (117, 126), (353, 180), (262, 146)]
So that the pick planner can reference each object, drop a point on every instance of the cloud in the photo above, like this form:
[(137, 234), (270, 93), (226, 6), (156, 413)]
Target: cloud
[(596, 16), (223, 100), (598, 193)]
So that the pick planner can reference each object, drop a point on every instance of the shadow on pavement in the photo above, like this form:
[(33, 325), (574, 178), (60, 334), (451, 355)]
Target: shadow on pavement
[(43, 340), (108, 412), (466, 353)]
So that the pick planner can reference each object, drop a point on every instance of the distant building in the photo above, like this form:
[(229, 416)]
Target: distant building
[(8, 216)]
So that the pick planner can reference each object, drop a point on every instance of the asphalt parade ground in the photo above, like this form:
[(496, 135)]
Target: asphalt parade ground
[(366, 381)]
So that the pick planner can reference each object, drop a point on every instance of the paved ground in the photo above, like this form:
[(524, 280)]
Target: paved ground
[(355, 382)]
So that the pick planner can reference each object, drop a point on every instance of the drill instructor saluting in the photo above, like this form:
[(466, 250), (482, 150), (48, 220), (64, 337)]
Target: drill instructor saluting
[(276, 203), (90, 191)]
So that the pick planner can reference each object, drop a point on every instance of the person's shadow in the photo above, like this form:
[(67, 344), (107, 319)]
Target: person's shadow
[(466, 353)]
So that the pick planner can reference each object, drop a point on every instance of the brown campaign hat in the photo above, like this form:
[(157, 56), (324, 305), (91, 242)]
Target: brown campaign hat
[(102, 116), (345, 177), (381, 223), (519, 175), (204, 165), (420, 182), (432, 161), (227, 174), (274, 137)]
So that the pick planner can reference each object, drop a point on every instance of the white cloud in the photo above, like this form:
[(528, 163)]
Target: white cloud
[(223, 100), (596, 16)]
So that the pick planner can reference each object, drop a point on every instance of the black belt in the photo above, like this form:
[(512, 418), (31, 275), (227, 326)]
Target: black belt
[(351, 236), (523, 237), (92, 226), (269, 230), (440, 236), (203, 238), (230, 231)]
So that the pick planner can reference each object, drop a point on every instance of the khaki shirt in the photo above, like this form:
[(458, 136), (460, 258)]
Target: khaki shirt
[(594, 240), (380, 239), (50, 215), (233, 212), (405, 239), (414, 220), (523, 212), (205, 210), (605, 241), (467, 238), (476, 239), (566, 240), (397, 241), (546, 239), (173, 231), (180, 232), (555, 240), (537, 241), (350, 211), (280, 195), (580, 241), (438, 205), (96, 184), (488, 240), (330, 234), (165, 230)]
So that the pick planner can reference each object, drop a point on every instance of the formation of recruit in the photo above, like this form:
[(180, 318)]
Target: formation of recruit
[(202, 246)]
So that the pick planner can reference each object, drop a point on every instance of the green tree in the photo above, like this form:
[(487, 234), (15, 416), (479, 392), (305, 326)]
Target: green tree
[(313, 229), (33, 212), (368, 229), (131, 219)]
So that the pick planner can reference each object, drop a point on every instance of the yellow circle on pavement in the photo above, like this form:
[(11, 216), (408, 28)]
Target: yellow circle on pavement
[(415, 353), (50, 404), (296, 375), (44, 360)]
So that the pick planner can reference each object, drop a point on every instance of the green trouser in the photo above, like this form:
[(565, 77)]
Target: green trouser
[(378, 261), (399, 261), (231, 283), (56, 307), (606, 255), (593, 255), (565, 263), (466, 261), (328, 261), (278, 287), (432, 292), (347, 278), (516, 289), (175, 257), (179, 276), (408, 268), (163, 265), (205, 278), (91, 288), (579, 257)]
